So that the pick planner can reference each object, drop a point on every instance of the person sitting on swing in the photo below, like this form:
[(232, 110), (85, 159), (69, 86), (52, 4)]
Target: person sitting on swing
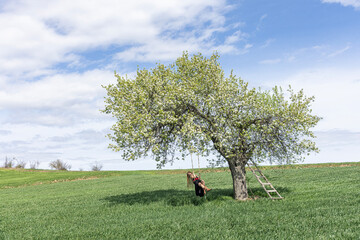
[(200, 188)]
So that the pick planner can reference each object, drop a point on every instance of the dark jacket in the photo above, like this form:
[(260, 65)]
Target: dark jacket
[(198, 190)]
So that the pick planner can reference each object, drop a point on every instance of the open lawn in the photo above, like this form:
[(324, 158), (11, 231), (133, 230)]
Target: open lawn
[(320, 203)]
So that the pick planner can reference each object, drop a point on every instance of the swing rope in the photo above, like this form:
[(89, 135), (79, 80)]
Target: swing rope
[(199, 165), (192, 163)]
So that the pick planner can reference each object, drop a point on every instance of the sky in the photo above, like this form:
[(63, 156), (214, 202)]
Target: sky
[(55, 55)]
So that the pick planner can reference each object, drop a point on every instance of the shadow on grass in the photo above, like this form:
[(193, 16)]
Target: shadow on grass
[(174, 197), (169, 196)]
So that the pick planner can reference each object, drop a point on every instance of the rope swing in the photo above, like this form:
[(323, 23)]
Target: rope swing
[(198, 164), (192, 162)]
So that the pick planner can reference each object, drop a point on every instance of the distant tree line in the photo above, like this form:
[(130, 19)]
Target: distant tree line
[(17, 163), (56, 164)]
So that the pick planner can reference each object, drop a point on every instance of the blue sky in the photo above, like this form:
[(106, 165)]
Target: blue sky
[(55, 55)]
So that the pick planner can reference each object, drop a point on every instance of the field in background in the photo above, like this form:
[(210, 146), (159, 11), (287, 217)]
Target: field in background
[(321, 202), (10, 178)]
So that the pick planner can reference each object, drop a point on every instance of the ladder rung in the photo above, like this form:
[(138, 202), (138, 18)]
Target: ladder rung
[(259, 177), (271, 190), (266, 183)]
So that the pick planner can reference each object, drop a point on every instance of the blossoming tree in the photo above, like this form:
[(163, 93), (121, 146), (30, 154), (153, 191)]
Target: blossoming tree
[(191, 105)]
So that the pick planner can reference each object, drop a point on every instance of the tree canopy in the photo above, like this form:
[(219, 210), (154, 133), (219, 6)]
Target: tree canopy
[(191, 105)]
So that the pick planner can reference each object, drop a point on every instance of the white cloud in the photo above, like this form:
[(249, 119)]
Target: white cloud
[(38, 34), (232, 49), (336, 146), (336, 100), (353, 3), (236, 37), (53, 91), (247, 47), (305, 52), (270, 61), (338, 52), (159, 50), (5, 132), (316, 53), (259, 25), (167, 48), (27, 44), (337, 138), (55, 100), (263, 17), (336, 94), (267, 43)]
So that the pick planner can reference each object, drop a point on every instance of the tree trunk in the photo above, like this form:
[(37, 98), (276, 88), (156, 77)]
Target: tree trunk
[(238, 173)]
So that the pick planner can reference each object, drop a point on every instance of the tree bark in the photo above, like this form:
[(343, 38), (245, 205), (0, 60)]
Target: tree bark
[(238, 173)]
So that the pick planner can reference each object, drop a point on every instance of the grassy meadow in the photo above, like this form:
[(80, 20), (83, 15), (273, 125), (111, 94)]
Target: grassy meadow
[(321, 202)]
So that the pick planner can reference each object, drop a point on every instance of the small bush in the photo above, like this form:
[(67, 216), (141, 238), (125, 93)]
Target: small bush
[(20, 164), (9, 163), (59, 165), (34, 165), (96, 167)]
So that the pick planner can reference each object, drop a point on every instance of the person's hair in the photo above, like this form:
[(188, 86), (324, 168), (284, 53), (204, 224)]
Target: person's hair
[(188, 178)]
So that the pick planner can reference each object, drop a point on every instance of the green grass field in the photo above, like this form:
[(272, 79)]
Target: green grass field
[(321, 202)]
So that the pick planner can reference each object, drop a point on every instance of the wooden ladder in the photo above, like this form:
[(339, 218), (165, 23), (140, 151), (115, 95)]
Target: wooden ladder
[(268, 187)]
